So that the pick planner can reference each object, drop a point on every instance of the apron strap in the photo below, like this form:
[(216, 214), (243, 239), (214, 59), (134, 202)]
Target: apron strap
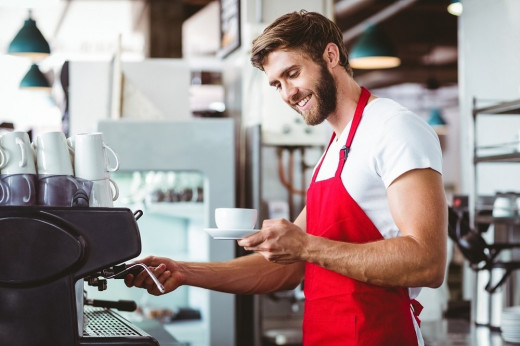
[(317, 169), (416, 309), (343, 153)]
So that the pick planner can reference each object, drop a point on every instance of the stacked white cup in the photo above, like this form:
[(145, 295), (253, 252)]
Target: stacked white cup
[(92, 162), (56, 183), (18, 169)]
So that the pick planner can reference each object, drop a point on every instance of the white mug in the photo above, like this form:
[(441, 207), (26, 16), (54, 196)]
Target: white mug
[(19, 154), (235, 218), (104, 192), (53, 154), (91, 159)]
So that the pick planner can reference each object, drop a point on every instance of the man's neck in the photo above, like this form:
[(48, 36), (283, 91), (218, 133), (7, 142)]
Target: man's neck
[(348, 96)]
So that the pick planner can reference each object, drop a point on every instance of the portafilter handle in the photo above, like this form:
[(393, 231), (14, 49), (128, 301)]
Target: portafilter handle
[(135, 269)]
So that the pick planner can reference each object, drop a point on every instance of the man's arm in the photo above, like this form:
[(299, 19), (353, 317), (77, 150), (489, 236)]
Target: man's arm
[(251, 274), (417, 258)]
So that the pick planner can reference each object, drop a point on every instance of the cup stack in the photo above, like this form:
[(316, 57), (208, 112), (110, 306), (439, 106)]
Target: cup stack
[(56, 171), (510, 325), (92, 162), (17, 170), (57, 185)]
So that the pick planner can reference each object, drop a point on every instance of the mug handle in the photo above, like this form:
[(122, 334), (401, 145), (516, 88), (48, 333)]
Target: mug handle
[(3, 193), (70, 144), (116, 167), (21, 144), (27, 199), (115, 190), (3, 160)]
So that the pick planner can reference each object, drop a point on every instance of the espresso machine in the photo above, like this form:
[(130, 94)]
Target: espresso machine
[(44, 251)]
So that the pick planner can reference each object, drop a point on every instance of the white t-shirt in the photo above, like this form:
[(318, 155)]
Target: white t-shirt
[(389, 141)]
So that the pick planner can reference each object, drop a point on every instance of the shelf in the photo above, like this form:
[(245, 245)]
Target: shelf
[(511, 157), (497, 153), (488, 219), (509, 107)]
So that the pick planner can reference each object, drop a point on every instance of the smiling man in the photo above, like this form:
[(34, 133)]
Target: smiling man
[(374, 228)]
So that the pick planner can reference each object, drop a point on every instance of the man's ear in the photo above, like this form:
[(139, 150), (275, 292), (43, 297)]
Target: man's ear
[(331, 54)]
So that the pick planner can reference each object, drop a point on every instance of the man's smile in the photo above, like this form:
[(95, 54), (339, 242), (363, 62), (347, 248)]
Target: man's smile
[(304, 101)]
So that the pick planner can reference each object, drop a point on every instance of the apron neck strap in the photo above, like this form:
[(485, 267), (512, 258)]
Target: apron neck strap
[(343, 153)]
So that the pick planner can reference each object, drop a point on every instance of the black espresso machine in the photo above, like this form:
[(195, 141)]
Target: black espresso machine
[(44, 251)]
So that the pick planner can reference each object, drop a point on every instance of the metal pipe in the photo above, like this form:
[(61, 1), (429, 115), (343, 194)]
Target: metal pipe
[(344, 8), (382, 15), (259, 11)]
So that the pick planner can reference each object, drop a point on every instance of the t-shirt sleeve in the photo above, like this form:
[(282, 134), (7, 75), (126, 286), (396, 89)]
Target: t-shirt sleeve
[(407, 143)]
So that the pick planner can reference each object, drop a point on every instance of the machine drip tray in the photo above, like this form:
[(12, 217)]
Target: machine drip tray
[(103, 322), (103, 326)]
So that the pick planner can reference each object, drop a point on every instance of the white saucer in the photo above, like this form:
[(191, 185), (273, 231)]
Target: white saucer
[(218, 233)]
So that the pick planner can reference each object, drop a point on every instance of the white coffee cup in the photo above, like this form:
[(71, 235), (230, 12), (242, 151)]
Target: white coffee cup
[(104, 192), (19, 154), (235, 218), (53, 154), (91, 159)]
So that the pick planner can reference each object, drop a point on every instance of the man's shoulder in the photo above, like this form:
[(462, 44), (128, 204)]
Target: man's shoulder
[(386, 106)]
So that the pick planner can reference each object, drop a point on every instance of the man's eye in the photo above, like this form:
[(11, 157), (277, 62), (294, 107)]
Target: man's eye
[(294, 74)]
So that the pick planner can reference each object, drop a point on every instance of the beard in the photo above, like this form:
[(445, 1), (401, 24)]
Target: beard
[(326, 98)]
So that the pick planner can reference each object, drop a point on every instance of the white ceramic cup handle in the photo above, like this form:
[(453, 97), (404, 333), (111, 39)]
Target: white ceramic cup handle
[(3, 192), (21, 144), (116, 167), (3, 160), (28, 197), (70, 145), (115, 191)]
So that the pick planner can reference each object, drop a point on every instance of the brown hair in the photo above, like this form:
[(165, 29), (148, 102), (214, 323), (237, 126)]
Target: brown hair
[(308, 32)]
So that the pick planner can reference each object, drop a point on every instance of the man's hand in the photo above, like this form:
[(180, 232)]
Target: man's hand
[(166, 270), (279, 241)]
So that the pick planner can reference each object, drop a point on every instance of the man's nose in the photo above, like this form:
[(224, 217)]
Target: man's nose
[(288, 92)]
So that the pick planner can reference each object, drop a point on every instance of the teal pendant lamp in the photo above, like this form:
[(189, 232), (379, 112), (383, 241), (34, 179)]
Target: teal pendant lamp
[(373, 50), (29, 42), (455, 7), (35, 80), (437, 121)]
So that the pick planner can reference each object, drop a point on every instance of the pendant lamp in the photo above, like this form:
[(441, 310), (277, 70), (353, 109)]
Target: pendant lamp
[(437, 121), (455, 7), (29, 42), (35, 80), (373, 50)]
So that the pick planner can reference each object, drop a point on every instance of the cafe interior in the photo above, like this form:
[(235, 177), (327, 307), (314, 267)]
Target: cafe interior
[(188, 126)]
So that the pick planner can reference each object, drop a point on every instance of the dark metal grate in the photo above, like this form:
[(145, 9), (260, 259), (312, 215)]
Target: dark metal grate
[(103, 323)]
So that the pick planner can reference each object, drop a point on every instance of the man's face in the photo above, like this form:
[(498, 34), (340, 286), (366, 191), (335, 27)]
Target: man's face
[(306, 86)]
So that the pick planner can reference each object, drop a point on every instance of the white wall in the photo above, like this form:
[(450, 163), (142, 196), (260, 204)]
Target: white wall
[(489, 32), (153, 89)]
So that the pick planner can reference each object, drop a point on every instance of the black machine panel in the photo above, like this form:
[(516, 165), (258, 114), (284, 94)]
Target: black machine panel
[(44, 251)]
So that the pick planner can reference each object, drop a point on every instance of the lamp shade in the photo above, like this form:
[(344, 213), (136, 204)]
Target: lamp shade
[(437, 121), (373, 50), (29, 42), (455, 7), (35, 80)]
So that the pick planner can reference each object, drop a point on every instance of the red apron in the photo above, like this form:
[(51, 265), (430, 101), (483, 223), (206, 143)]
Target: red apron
[(340, 310)]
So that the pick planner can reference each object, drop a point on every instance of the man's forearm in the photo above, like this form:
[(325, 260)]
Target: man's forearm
[(244, 275)]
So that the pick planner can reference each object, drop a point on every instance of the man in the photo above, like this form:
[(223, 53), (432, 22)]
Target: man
[(374, 228)]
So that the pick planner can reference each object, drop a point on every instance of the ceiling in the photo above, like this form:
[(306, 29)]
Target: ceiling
[(423, 32)]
